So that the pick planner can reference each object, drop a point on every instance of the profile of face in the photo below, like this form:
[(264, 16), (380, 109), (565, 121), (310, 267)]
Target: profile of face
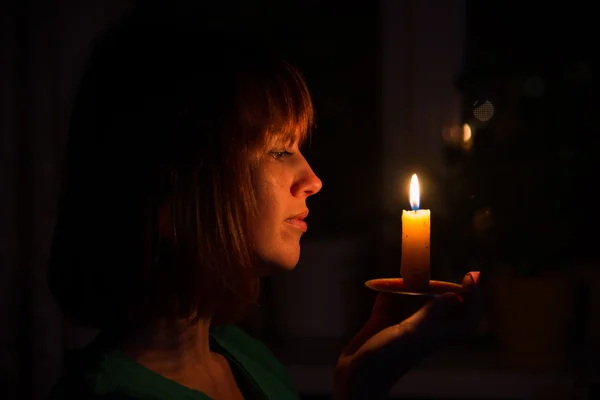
[(283, 180)]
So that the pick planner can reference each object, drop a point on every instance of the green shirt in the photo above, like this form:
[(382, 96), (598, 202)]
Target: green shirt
[(100, 371)]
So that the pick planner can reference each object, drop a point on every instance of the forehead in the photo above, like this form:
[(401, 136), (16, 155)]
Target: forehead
[(289, 137)]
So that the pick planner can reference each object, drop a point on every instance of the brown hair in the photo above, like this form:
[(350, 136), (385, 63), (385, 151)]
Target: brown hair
[(154, 221)]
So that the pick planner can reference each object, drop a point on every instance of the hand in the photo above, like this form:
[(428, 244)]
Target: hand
[(400, 333)]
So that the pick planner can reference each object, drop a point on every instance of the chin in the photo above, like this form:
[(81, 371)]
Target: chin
[(273, 265)]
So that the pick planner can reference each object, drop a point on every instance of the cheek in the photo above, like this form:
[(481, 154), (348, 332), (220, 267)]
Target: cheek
[(270, 190), (265, 201), (266, 208)]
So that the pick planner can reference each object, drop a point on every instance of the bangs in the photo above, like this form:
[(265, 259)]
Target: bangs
[(280, 108), (291, 110)]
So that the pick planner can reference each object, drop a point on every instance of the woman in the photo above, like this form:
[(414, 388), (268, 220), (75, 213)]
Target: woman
[(185, 184)]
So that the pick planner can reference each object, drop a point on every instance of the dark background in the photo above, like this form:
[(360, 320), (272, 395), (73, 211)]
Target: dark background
[(394, 82)]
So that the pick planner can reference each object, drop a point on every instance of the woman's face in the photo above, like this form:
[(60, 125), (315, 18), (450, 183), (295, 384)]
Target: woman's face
[(283, 181)]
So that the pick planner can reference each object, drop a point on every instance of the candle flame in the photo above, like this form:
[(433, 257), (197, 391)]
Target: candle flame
[(414, 193)]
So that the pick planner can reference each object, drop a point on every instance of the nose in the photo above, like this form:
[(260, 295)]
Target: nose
[(307, 182)]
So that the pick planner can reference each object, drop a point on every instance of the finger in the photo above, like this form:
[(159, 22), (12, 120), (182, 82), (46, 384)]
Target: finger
[(443, 305), (397, 307), (470, 282), (438, 309), (389, 309), (473, 297), (433, 321)]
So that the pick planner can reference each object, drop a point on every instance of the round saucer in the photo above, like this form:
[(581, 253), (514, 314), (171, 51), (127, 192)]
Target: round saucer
[(396, 285)]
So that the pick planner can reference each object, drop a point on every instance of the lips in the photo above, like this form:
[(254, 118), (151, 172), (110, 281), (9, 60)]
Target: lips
[(297, 221), (300, 216)]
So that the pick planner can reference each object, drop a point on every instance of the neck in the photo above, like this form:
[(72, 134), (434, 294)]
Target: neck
[(176, 351)]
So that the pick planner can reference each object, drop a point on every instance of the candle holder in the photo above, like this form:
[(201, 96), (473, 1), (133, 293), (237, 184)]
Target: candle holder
[(397, 286)]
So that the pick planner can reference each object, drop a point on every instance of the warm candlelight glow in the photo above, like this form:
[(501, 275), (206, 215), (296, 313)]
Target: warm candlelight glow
[(414, 267), (414, 193)]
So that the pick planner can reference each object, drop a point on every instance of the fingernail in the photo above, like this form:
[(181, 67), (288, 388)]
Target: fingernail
[(474, 278), (471, 277)]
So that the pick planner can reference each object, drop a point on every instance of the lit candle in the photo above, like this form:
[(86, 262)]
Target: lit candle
[(415, 266)]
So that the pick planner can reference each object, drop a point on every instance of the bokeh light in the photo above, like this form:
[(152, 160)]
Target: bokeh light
[(483, 110)]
